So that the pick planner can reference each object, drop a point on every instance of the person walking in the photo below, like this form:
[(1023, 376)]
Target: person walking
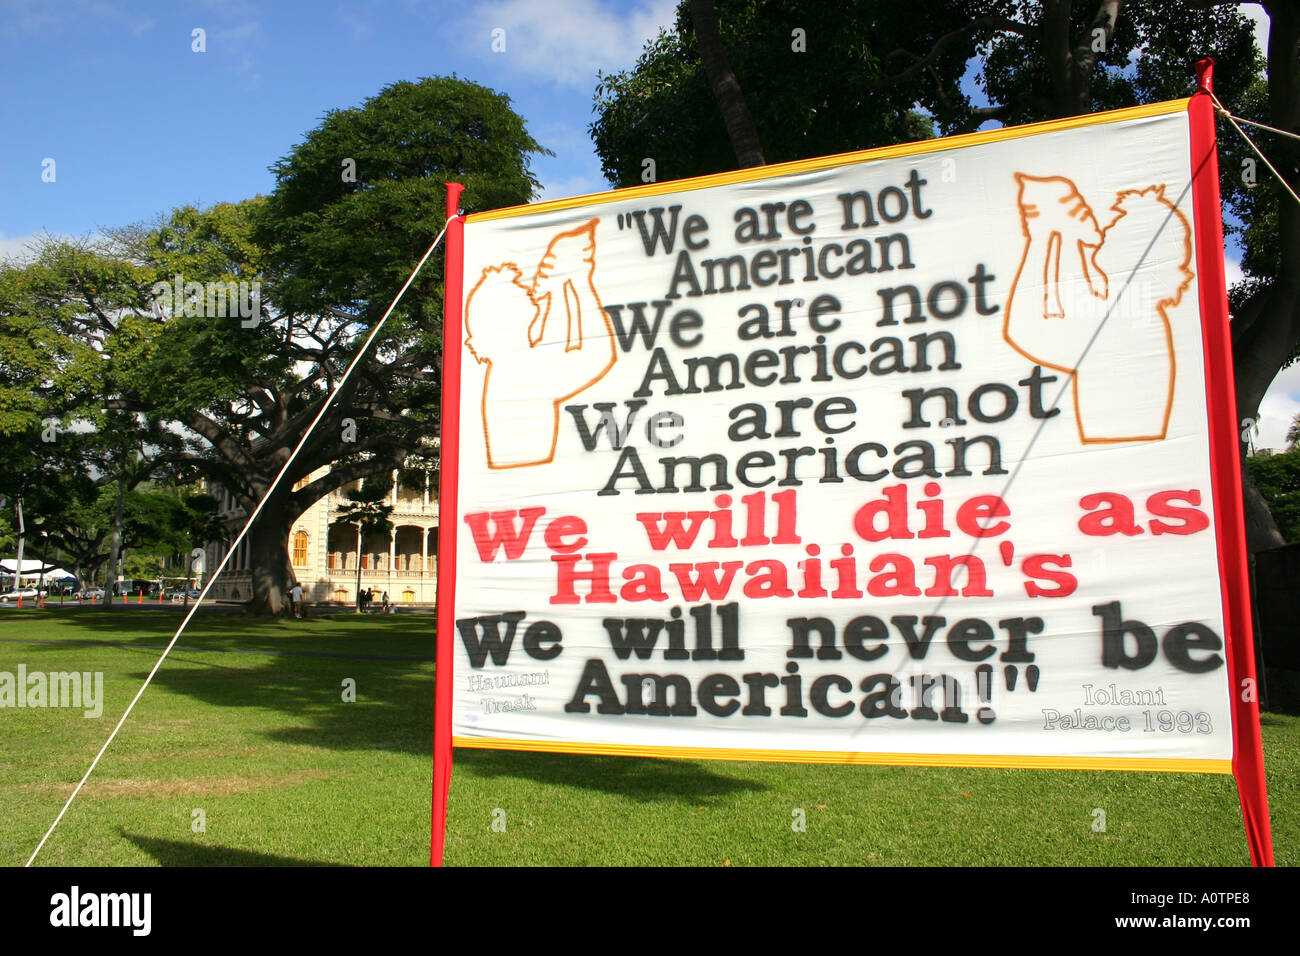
[(295, 599), (384, 605)]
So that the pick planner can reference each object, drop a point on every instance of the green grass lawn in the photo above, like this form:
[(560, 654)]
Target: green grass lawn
[(246, 722)]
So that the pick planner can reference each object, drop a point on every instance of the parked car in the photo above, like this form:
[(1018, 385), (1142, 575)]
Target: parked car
[(136, 587), (88, 594), (27, 594)]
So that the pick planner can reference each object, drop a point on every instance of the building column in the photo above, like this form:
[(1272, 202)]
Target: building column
[(424, 548), (392, 556), (426, 498), (393, 502)]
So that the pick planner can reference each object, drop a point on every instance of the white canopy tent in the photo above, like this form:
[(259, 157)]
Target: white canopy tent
[(30, 572)]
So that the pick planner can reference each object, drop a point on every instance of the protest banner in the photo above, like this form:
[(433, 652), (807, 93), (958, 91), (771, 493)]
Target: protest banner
[(922, 455)]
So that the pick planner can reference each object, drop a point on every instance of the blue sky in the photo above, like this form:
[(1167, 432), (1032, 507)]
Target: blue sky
[(136, 122)]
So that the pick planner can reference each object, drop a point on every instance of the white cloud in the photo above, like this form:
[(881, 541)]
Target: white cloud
[(41, 17), (1232, 269), (572, 186), (1280, 405), (19, 250), (240, 34), (234, 44), (360, 24), (1256, 12), (565, 43), (230, 8), (17, 247)]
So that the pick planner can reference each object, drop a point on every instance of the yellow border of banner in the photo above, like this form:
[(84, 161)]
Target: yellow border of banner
[(838, 159), (1023, 762)]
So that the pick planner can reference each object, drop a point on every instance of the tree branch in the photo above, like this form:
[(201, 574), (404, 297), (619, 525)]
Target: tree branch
[(919, 63)]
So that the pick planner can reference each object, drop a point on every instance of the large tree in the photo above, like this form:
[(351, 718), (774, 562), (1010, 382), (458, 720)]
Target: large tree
[(811, 73), (64, 451), (169, 327)]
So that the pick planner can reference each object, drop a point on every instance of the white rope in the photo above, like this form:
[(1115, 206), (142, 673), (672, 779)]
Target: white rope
[(1272, 129), (1251, 144), (238, 539)]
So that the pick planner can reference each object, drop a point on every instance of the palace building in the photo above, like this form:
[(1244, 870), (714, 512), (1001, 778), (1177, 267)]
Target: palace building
[(325, 556)]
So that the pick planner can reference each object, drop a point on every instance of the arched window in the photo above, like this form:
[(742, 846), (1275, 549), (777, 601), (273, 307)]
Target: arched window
[(300, 549)]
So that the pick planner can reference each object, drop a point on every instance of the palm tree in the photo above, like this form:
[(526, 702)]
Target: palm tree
[(1293, 433), (366, 510)]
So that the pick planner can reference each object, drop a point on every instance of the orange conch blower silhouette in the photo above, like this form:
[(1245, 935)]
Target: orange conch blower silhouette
[(542, 344), (1087, 300)]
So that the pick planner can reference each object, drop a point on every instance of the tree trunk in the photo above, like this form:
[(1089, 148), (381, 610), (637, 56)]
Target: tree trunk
[(1262, 340), (115, 547), (18, 566), (726, 89), (1267, 331), (1261, 529), (268, 558)]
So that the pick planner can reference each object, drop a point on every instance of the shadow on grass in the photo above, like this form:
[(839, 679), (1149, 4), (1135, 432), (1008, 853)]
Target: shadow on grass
[(393, 709), (176, 853), (156, 626), (278, 680), (645, 780)]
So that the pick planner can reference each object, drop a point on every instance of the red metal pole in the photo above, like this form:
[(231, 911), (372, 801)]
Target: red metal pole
[(1225, 465), (449, 468)]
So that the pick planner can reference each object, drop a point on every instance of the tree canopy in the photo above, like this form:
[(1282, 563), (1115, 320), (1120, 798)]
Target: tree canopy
[(220, 332), (812, 74)]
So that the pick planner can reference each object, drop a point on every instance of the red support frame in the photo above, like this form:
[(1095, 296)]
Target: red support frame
[(1225, 472), (448, 507)]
